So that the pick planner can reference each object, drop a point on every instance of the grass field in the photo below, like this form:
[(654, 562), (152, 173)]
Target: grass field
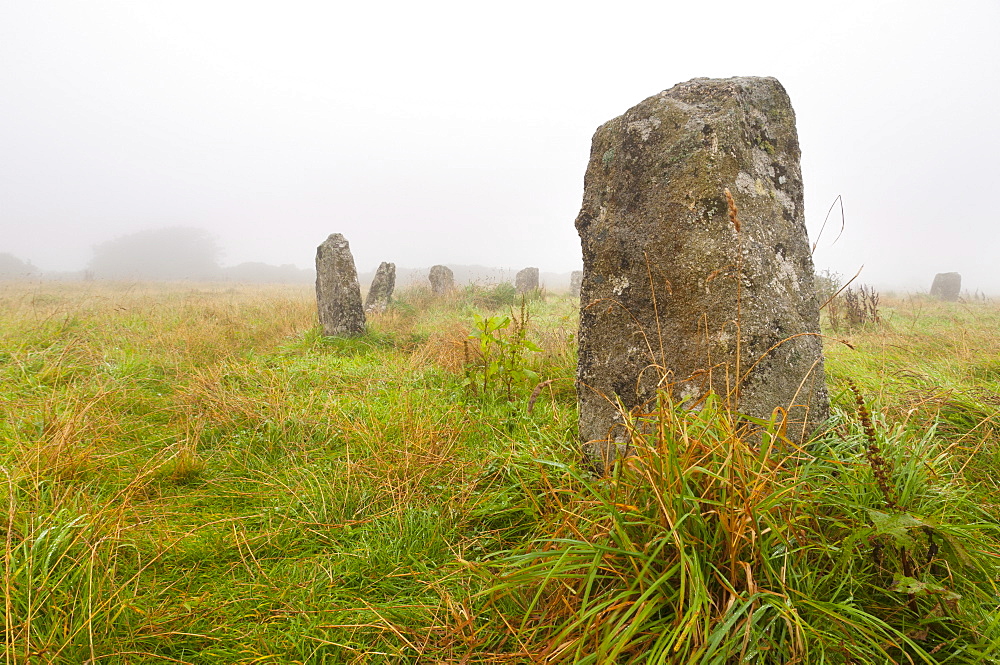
[(193, 474)]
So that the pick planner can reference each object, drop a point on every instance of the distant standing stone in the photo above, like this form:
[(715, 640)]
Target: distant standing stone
[(947, 286), (442, 280), (575, 281), (380, 292), (670, 282), (338, 295), (526, 280)]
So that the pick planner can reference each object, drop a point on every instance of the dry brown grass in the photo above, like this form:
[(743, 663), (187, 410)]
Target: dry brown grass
[(448, 346)]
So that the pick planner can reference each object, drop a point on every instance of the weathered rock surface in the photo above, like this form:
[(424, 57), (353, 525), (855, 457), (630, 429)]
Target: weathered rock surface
[(673, 294), (575, 281), (380, 292), (442, 280), (338, 295), (526, 280), (947, 286)]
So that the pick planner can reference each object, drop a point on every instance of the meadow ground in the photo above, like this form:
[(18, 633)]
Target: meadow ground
[(193, 474)]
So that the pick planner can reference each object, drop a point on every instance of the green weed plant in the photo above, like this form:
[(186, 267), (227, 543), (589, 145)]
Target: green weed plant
[(498, 366)]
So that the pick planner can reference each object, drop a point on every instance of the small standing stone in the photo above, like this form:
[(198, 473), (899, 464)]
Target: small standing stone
[(526, 280), (575, 282), (442, 280), (380, 292), (677, 293), (947, 286), (338, 295)]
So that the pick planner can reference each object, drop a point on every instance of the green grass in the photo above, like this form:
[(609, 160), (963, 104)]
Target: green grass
[(191, 473)]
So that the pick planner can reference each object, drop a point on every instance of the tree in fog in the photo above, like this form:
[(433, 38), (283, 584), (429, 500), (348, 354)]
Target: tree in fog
[(12, 267), (161, 254)]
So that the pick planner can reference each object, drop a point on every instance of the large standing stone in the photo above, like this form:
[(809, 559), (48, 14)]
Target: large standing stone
[(526, 280), (947, 286), (575, 282), (380, 292), (735, 305), (338, 295), (442, 280)]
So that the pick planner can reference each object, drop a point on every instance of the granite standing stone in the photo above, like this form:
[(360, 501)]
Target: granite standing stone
[(575, 281), (338, 295), (442, 280), (526, 280), (380, 292), (947, 286), (674, 292)]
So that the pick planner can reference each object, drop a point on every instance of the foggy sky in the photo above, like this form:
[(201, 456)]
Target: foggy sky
[(458, 132)]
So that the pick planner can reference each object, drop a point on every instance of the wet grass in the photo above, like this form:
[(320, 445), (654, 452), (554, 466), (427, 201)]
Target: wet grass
[(191, 473)]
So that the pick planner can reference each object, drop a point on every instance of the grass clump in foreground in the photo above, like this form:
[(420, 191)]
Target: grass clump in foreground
[(876, 543), (707, 549), (192, 474)]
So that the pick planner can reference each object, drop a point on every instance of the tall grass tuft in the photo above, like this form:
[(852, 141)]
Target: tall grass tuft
[(711, 546)]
